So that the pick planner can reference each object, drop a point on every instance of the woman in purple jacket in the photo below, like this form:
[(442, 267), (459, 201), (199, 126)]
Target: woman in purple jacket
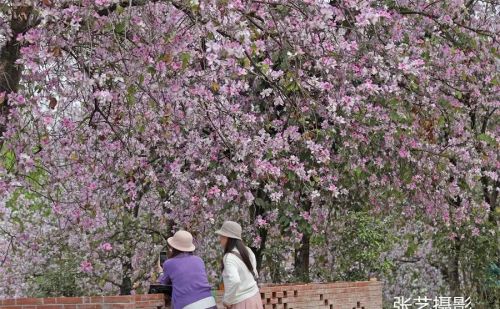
[(186, 272)]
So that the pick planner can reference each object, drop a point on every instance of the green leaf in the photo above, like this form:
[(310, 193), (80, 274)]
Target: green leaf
[(185, 57), (285, 221), (151, 70), (10, 159), (393, 102), (290, 175), (318, 240), (260, 202), (119, 9), (264, 68), (357, 172), (488, 139), (441, 121), (131, 91), (426, 55), (397, 117), (412, 248), (406, 38), (11, 203), (120, 28), (414, 86), (495, 81), (293, 86), (444, 103)]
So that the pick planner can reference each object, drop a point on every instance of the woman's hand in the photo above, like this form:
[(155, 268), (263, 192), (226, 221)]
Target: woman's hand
[(160, 268), (226, 305)]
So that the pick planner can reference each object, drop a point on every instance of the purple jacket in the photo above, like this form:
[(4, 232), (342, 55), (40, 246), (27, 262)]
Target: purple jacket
[(188, 277)]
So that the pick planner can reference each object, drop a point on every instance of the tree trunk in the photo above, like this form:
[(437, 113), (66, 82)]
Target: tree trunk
[(10, 72), (9, 80), (302, 259), (301, 264), (276, 275), (256, 211), (259, 253), (126, 285), (453, 269)]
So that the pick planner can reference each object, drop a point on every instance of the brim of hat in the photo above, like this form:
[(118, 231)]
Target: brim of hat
[(180, 248), (222, 233)]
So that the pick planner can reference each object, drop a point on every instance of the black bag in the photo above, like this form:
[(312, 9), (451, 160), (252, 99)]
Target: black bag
[(160, 289)]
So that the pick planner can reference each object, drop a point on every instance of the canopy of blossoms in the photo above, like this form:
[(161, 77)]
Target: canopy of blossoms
[(132, 119)]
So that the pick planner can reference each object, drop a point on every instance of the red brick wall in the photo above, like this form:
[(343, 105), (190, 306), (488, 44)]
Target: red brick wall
[(152, 301), (336, 295)]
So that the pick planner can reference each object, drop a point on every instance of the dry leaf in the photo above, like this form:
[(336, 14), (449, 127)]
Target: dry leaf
[(167, 58), (52, 103), (215, 87), (56, 51)]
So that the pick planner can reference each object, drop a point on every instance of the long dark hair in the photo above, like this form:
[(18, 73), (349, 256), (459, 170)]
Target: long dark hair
[(242, 250), (174, 252)]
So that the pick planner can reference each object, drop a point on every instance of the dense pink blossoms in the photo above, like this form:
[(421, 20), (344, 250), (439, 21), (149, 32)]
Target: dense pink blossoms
[(138, 119)]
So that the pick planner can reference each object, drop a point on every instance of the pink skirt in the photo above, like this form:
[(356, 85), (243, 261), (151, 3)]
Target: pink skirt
[(254, 302)]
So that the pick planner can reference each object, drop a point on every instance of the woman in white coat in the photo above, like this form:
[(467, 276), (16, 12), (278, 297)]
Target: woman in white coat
[(239, 270)]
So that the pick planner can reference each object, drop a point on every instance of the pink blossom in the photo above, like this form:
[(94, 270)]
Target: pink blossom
[(267, 61), (176, 65), (404, 153), (232, 193), (249, 197), (305, 215), (67, 123), (257, 241), (92, 186), (214, 191), (452, 236), (104, 95), (475, 231), (103, 2), (276, 196), (86, 267), (106, 246), (261, 222), (48, 120)]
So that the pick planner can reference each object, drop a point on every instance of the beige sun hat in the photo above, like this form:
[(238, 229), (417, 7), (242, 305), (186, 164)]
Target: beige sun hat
[(182, 241), (230, 229)]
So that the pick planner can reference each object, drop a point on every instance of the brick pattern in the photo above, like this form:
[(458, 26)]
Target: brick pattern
[(153, 301), (336, 295)]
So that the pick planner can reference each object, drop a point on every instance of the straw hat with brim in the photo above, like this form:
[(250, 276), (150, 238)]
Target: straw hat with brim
[(182, 241), (230, 229)]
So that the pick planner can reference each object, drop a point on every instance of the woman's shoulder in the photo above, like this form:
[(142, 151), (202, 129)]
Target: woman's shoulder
[(197, 258), (198, 261), (250, 252), (234, 255), (231, 256), (192, 257), (184, 258)]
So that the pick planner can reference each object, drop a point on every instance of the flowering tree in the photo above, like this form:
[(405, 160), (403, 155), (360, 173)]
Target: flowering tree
[(130, 119)]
